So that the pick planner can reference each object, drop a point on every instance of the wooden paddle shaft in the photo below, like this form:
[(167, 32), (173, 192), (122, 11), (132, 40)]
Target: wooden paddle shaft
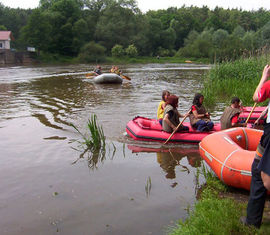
[(251, 112), (177, 127)]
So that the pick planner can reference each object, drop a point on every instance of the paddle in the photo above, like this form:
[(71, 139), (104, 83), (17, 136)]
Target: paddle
[(125, 77), (90, 74), (177, 127), (251, 112)]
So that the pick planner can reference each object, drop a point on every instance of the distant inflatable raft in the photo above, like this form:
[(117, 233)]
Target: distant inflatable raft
[(230, 154), (108, 78)]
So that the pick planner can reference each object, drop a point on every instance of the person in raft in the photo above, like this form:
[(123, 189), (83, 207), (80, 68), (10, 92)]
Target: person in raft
[(230, 115), (116, 70), (97, 70), (171, 116), (161, 106), (260, 169), (199, 118)]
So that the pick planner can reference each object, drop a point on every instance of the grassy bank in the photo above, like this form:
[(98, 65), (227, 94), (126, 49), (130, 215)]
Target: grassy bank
[(239, 78), (47, 58), (216, 213)]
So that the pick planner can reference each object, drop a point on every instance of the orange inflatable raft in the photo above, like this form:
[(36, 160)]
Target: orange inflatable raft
[(230, 154)]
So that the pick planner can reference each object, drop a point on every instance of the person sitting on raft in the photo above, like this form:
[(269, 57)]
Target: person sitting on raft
[(161, 106), (116, 70), (199, 118), (171, 116), (230, 115), (97, 70)]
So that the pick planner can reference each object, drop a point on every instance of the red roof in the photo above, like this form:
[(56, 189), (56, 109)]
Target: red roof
[(6, 35)]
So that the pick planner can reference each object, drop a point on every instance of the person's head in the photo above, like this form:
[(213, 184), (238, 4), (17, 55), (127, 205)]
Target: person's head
[(198, 99), (235, 102), (98, 66), (165, 95), (172, 100)]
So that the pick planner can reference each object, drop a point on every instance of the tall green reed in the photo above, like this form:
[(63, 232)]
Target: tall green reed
[(93, 143), (237, 78)]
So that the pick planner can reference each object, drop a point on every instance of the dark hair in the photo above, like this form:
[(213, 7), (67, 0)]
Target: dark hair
[(196, 100), (172, 100), (235, 100), (165, 92)]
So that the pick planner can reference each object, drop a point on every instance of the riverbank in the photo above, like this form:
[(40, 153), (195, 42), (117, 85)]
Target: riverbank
[(239, 78), (218, 211), (56, 59)]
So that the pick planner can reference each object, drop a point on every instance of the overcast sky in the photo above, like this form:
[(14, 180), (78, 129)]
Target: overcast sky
[(145, 5)]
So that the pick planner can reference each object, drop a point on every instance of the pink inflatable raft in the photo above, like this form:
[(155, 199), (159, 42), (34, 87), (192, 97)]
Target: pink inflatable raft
[(145, 129), (255, 114)]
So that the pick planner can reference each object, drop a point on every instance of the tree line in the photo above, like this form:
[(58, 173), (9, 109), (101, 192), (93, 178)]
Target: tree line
[(93, 29)]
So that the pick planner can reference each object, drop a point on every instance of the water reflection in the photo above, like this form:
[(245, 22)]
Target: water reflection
[(170, 158)]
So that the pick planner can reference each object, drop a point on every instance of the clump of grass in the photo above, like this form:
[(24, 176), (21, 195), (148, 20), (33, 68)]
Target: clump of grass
[(212, 214), (94, 143), (238, 78), (96, 140)]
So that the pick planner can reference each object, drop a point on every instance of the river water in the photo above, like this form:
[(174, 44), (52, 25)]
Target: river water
[(135, 188)]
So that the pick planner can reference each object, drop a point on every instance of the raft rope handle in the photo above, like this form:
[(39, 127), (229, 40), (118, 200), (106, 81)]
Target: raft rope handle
[(224, 163), (221, 163)]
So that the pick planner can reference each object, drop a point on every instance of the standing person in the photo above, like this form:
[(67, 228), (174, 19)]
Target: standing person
[(171, 116), (97, 70), (260, 168), (230, 115), (161, 106), (199, 118)]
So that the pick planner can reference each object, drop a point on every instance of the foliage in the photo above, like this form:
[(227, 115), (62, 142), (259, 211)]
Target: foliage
[(64, 27), (96, 140), (239, 78), (118, 51), (2, 27), (92, 52), (94, 144), (212, 214), (131, 51)]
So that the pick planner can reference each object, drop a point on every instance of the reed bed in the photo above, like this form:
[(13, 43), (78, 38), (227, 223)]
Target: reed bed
[(239, 78)]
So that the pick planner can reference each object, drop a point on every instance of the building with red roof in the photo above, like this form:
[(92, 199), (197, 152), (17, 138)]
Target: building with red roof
[(5, 38)]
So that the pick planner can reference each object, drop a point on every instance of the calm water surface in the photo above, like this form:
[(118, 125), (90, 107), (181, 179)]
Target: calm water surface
[(46, 188)]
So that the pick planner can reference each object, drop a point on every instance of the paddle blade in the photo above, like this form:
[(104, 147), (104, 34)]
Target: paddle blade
[(125, 77), (90, 74)]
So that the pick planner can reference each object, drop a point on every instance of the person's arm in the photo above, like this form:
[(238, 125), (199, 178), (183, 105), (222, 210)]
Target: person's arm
[(163, 105), (265, 76), (261, 116), (167, 120)]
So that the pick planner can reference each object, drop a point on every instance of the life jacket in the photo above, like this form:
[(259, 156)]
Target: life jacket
[(200, 110), (226, 118), (174, 119), (160, 110)]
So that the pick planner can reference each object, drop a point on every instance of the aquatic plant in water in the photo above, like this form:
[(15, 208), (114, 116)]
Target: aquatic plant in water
[(93, 144)]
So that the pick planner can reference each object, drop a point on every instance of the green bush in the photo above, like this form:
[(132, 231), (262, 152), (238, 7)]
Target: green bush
[(131, 51), (118, 51), (92, 52)]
